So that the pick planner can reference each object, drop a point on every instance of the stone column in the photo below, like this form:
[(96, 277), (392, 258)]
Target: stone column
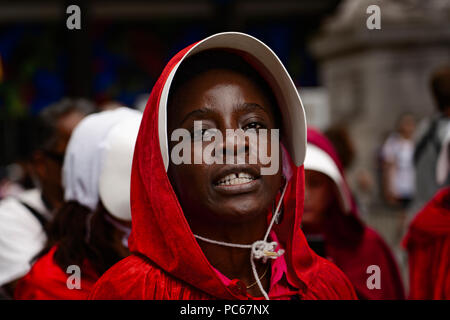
[(373, 76)]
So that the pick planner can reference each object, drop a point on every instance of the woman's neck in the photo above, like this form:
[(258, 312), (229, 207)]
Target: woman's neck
[(234, 262)]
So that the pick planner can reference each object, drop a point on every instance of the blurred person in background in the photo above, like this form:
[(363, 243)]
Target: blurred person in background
[(333, 228), (397, 163), (428, 239), (342, 143), (91, 229), (397, 171), (431, 134), (24, 216), (17, 176), (363, 186), (11, 177)]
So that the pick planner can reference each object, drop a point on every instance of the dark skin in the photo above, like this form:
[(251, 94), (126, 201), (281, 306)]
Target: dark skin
[(224, 99), (319, 197)]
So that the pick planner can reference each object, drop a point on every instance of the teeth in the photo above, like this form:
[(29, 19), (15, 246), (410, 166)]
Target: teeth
[(234, 179), (229, 177), (244, 175)]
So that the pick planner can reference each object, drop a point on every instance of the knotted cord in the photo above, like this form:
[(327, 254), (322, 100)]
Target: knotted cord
[(260, 249)]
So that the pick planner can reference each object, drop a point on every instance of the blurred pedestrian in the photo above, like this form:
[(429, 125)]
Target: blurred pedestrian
[(24, 217), (343, 144), (363, 183), (431, 134), (334, 229), (90, 231), (397, 163)]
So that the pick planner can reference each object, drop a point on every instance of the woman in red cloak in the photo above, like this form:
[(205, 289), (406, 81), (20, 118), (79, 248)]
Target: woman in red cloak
[(428, 245), (428, 239), (333, 228), (220, 231)]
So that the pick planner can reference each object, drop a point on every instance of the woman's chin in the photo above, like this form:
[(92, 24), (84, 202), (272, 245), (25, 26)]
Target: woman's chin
[(240, 213)]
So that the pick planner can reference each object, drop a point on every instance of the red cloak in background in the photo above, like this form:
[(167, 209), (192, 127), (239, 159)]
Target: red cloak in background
[(353, 246), (428, 245), (47, 281)]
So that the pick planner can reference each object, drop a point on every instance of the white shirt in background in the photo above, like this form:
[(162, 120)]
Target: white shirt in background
[(400, 152), (21, 234)]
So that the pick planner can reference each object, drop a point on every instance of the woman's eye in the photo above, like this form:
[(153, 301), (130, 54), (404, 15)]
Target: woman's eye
[(254, 125), (208, 133), (198, 134), (204, 134)]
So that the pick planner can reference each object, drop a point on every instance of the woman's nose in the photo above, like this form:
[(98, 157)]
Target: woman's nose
[(235, 145)]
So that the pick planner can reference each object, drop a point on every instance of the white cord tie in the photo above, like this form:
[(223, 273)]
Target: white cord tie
[(265, 250), (259, 249)]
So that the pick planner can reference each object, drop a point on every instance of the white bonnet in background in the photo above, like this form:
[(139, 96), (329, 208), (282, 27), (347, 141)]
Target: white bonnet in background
[(318, 160), (115, 177), (84, 155)]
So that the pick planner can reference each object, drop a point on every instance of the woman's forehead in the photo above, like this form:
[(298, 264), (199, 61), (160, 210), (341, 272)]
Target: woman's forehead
[(217, 89)]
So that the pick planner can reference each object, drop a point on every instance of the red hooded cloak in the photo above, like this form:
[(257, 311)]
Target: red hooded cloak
[(166, 260), (428, 245), (352, 245)]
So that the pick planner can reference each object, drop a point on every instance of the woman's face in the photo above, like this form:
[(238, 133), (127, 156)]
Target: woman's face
[(222, 99), (319, 196)]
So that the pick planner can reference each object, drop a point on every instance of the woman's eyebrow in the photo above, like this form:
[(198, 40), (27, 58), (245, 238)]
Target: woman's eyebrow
[(249, 106), (197, 113)]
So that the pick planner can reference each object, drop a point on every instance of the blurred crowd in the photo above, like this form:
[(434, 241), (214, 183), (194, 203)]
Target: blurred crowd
[(67, 202)]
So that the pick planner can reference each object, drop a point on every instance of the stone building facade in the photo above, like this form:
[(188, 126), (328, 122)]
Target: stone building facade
[(373, 76)]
